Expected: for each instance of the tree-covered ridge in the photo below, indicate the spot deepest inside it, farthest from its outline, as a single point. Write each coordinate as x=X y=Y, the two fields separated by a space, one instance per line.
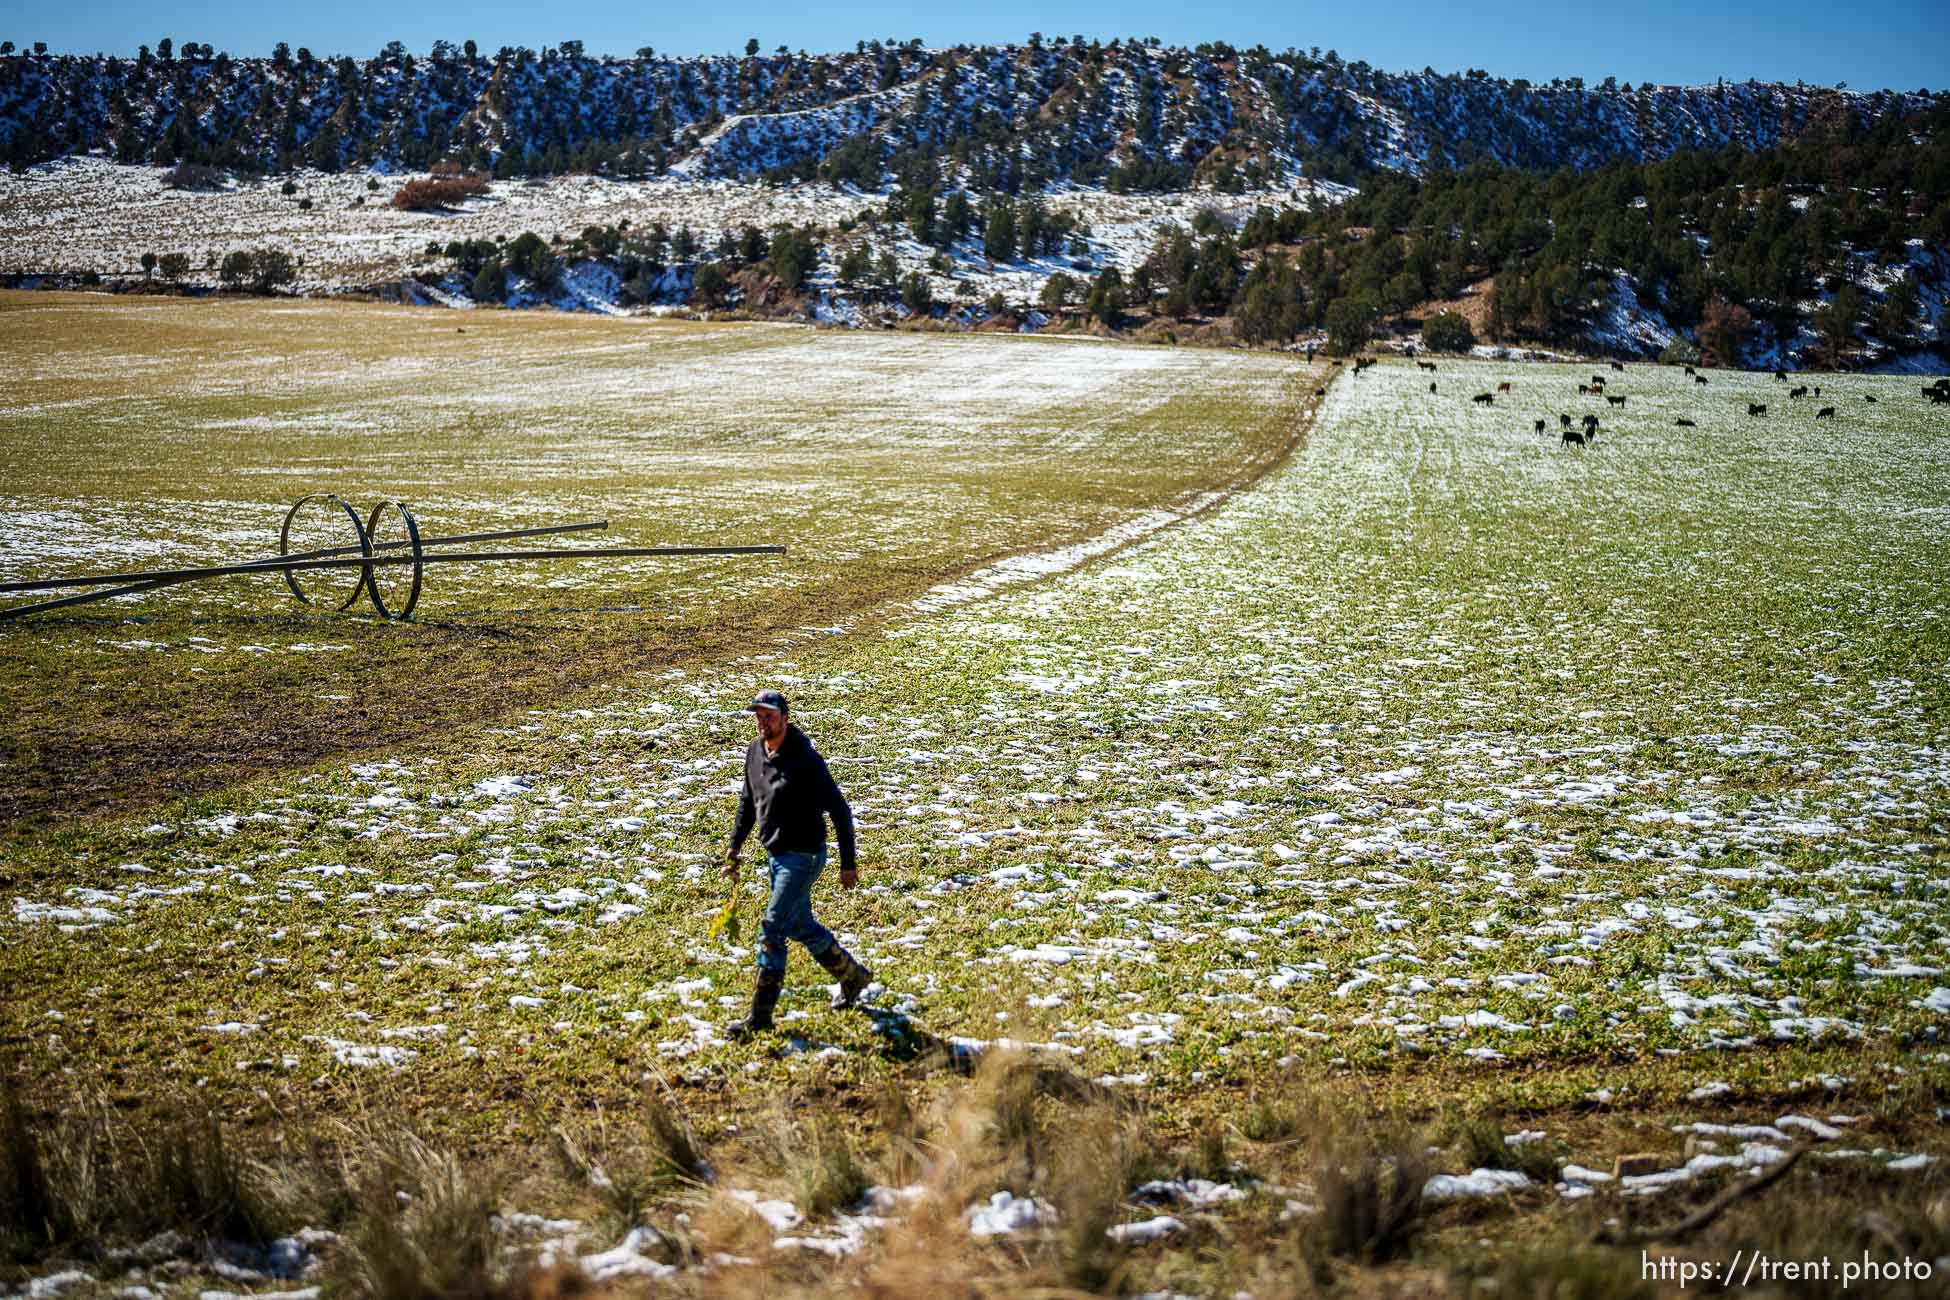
x=1703 y=237
x=1828 y=250
x=1715 y=242
x=1121 y=113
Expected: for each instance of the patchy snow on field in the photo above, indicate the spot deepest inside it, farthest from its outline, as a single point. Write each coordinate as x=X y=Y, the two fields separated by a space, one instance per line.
x=1445 y=740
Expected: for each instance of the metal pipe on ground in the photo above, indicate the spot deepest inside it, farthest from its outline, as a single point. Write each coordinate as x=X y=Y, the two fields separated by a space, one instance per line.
x=274 y=562
x=171 y=577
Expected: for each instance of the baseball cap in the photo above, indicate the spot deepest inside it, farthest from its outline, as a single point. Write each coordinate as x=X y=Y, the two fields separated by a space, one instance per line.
x=768 y=700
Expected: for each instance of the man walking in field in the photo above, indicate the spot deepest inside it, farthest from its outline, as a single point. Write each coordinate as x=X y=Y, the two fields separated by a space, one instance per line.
x=788 y=794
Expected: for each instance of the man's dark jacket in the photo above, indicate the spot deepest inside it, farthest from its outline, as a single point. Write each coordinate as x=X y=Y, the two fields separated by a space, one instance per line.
x=787 y=795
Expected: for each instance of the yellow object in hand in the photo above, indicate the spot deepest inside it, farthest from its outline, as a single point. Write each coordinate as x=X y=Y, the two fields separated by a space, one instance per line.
x=726 y=921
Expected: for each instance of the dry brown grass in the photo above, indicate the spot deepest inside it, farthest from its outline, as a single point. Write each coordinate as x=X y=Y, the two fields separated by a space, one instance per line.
x=86 y=1173
x=632 y=1161
x=1472 y=304
x=817 y=1163
x=1368 y=1186
x=415 y=1216
x=422 y=195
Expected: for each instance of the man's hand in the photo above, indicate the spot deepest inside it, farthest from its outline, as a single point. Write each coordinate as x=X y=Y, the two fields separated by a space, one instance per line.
x=731 y=866
x=849 y=877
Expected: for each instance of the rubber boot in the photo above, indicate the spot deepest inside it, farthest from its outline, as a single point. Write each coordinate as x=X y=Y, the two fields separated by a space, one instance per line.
x=846 y=968
x=764 y=997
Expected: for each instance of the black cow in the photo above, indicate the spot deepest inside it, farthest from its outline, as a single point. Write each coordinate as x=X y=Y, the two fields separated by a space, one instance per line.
x=1780 y=376
x=1825 y=413
x=1684 y=423
x=1868 y=397
x=1432 y=385
x=1817 y=390
x=1539 y=428
x=1425 y=365
x=1757 y=408
x=1571 y=436
x=1690 y=370
x=1564 y=420
x=1699 y=379
x=1484 y=399
x=1618 y=366
x=1802 y=391
x=1590 y=422
x=1615 y=401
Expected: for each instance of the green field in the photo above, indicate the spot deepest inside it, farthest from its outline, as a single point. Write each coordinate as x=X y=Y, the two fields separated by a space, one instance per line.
x=1446 y=772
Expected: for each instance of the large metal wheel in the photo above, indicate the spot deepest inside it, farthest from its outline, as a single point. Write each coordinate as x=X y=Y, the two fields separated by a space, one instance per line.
x=313 y=528
x=385 y=591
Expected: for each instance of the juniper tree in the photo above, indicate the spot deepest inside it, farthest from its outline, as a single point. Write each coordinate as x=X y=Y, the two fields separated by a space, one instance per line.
x=1057 y=291
x=270 y=268
x=1350 y=324
x=999 y=229
x=709 y=285
x=916 y=293
x=1448 y=331
x=490 y=282
x=857 y=264
x=1106 y=296
x=956 y=216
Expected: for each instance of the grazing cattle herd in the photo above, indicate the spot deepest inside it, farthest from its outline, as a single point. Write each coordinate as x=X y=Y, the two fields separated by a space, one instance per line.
x=1586 y=434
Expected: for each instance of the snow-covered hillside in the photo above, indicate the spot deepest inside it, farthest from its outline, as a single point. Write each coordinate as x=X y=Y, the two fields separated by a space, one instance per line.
x=76 y=220
x=90 y=215
x=1134 y=114
x=900 y=155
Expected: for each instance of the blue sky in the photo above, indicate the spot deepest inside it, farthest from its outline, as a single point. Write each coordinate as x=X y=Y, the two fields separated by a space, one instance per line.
x=1904 y=45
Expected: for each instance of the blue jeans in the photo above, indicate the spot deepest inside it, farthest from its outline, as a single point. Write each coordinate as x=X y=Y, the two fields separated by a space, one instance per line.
x=789 y=913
